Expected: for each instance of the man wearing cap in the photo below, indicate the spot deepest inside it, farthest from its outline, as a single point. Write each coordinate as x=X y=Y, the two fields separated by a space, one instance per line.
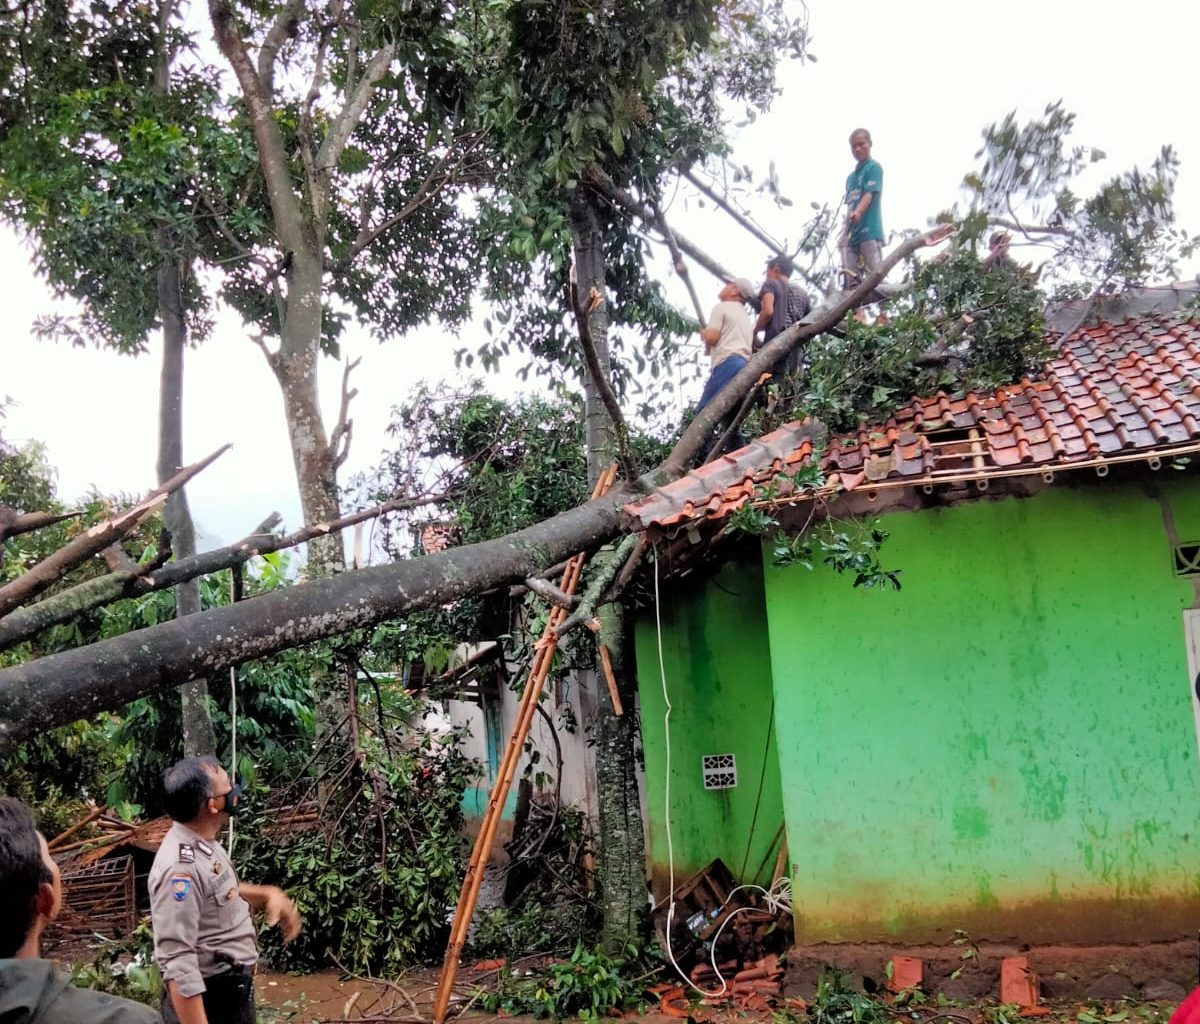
x=203 y=934
x=727 y=339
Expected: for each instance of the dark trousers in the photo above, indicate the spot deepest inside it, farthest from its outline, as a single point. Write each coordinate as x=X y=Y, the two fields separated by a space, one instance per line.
x=228 y=999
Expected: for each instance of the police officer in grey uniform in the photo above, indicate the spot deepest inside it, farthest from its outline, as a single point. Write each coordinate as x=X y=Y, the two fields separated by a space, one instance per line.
x=204 y=937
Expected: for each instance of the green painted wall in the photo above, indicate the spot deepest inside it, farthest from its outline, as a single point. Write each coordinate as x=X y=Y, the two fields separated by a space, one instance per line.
x=1007 y=744
x=718 y=678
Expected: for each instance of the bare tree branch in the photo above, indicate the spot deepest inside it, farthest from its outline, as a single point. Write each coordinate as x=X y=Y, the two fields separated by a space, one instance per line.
x=13 y=522
x=549 y=592
x=272 y=358
x=603 y=387
x=603 y=184
x=1028 y=230
x=680 y=267
x=131 y=580
x=347 y=119
x=339 y=437
x=282 y=29
x=739 y=218
x=77 y=551
x=308 y=146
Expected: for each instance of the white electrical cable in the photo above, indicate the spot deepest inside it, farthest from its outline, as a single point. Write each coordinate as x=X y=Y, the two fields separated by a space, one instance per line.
x=233 y=723
x=777 y=898
x=232 y=743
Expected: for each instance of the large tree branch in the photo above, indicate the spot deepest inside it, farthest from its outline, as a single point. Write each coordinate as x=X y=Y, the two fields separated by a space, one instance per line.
x=289 y=219
x=603 y=387
x=618 y=196
x=13 y=522
x=347 y=119
x=54 y=567
x=282 y=29
x=79 y=683
x=130 y=580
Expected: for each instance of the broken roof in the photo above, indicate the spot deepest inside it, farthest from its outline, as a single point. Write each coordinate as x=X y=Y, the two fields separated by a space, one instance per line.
x=1115 y=392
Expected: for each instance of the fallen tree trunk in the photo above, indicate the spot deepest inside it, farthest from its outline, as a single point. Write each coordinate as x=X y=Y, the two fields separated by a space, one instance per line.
x=80 y=683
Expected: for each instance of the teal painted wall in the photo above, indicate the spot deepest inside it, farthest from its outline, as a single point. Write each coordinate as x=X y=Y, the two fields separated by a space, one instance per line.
x=719 y=682
x=1007 y=744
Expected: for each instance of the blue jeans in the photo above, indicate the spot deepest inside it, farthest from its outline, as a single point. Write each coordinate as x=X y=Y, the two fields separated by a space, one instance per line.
x=721 y=375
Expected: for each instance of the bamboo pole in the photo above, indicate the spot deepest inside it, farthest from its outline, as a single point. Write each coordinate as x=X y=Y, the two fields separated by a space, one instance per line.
x=613 y=693
x=481 y=852
x=58 y=840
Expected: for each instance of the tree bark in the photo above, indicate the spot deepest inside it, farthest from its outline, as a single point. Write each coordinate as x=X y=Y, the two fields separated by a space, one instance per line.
x=587 y=244
x=177 y=517
x=620 y=865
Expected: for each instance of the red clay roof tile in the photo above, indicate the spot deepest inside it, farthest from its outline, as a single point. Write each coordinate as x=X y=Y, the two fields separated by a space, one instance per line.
x=1112 y=390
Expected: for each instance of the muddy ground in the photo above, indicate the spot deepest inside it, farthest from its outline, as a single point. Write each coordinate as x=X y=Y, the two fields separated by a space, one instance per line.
x=1096 y=985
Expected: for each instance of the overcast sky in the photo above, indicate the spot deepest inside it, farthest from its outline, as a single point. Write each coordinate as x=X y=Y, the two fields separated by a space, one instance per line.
x=923 y=76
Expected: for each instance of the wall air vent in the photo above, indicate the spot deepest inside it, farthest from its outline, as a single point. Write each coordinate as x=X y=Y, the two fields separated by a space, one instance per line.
x=1187 y=559
x=720 y=771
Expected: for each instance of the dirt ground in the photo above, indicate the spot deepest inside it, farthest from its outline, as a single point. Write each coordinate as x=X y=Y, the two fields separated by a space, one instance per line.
x=328 y=996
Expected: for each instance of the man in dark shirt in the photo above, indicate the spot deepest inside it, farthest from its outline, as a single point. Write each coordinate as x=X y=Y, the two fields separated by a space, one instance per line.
x=781 y=304
x=33 y=990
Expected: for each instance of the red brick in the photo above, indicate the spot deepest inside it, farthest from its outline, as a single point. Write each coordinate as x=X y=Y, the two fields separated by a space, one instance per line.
x=907 y=972
x=1018 y=984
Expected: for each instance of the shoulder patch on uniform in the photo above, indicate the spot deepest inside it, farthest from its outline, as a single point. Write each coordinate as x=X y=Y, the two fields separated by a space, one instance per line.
x=204 y=848
x=181 y=885
x=186 y=854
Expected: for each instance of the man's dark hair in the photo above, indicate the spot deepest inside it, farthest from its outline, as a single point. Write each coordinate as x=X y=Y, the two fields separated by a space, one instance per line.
x=783 y=264
x=21 y=871
x=186 y=785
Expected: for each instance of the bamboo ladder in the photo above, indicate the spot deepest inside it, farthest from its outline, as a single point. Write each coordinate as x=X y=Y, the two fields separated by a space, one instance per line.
x=481 y=852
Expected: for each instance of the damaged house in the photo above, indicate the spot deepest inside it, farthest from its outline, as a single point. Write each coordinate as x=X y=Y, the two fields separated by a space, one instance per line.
x=1008 y=744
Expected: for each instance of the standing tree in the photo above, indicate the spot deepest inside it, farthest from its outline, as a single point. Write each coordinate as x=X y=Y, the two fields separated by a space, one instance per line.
x=100 y=149
x=618 y=95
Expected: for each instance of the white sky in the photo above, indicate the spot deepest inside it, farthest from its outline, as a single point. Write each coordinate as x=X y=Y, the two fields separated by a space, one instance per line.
x=924 y=76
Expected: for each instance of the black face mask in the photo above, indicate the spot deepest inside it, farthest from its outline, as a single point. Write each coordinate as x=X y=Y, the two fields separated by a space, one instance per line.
x=233 y=794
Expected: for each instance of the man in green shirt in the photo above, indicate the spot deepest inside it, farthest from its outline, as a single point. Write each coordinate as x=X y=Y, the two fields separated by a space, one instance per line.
x=862 y=246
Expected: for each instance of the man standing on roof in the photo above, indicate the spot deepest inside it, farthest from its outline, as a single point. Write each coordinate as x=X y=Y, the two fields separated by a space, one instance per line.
x=33 y=990
x=862 y=250
x=203 y=934
x=781 y=304
x=727 y=340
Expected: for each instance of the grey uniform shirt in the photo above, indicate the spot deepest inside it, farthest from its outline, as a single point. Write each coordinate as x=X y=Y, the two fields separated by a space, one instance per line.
x=202 y=926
